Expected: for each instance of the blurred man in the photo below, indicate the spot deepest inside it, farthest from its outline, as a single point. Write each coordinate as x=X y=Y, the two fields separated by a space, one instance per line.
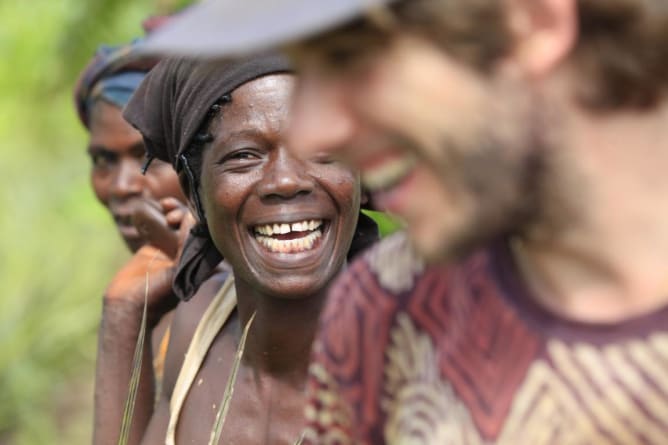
x=524 y=143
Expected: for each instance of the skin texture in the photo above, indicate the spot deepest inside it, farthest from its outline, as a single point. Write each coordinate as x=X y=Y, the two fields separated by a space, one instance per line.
x=153 y=220
x=117 y=154
x=123 y=305
x=249 y=177
x=511 y=151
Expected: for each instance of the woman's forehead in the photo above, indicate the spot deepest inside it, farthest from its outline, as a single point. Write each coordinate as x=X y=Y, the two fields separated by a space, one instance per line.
x=261 y=103
x=264 y=89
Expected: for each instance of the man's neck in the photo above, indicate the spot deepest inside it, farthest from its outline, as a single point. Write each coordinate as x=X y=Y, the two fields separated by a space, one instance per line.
x=609 y=261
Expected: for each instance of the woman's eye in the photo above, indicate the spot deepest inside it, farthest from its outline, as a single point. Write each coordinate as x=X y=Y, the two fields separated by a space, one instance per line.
x=243 y=155
x=101 y=160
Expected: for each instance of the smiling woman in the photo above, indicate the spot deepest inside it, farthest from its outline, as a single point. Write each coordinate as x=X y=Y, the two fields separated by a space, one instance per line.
x=284 y=224
x=252 y=184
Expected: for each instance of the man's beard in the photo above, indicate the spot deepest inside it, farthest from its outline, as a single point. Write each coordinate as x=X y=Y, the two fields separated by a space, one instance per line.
x=508 y=188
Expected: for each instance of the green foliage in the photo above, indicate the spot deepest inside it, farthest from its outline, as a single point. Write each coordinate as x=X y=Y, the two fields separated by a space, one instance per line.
x=58 y=247
x=386 y=223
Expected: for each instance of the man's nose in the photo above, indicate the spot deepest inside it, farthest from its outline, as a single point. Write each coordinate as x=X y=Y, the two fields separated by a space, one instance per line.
x=285 y=176
x=128 y=180
x=320 y=121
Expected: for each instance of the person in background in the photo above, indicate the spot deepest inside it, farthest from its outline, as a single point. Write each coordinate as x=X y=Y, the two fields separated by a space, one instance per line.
x=525 y=145
x=148 y=211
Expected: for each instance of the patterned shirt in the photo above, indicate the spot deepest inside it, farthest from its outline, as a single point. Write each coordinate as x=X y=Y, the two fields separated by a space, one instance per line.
x=409 y=354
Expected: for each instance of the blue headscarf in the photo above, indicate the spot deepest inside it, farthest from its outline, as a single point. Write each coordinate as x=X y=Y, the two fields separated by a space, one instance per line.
x=115 y=89
x=112 y=75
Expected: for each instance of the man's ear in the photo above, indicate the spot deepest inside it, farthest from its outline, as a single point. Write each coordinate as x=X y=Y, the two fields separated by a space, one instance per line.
x=544 y=33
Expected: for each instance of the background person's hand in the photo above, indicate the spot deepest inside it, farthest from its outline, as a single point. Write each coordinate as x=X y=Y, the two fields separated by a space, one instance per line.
x=129 y=283
x=164 y=224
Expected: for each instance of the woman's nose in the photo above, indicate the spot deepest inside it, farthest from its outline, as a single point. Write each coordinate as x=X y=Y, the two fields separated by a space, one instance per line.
x=285 y=176
x=128 y=181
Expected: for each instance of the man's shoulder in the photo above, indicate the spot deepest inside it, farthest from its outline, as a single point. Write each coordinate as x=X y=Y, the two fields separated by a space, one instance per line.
x=391 y=279
x=388 y=296
x=391 y=269
x=390 y=265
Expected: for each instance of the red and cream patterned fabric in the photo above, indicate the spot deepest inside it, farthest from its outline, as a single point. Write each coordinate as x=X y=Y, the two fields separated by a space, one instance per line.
x=409 y=354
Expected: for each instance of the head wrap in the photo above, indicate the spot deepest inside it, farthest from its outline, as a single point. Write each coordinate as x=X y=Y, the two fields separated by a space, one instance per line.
x=169 y=108
x=114 y=73
x=111 y=76
x=171 y=104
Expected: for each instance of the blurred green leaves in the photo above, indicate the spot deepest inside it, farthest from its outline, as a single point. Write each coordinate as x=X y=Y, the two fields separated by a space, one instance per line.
x=58 y=247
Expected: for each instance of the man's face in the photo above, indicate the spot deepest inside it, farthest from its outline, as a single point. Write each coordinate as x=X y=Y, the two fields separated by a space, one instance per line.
x=444 y=147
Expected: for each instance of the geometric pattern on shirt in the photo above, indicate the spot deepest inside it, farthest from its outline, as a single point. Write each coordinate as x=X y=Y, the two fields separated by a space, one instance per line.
x=483 y=349
x=581 y=394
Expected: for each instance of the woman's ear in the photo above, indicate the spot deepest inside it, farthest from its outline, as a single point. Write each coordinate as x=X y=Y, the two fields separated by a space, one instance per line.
x=366 y=202
x=190 y=194
x=544 y=33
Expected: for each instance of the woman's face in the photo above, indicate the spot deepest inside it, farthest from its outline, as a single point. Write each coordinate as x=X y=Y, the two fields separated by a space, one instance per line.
x=117 y=153
x=284 y=224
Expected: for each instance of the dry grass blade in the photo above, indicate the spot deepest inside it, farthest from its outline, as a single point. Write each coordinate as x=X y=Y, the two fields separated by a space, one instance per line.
x=300 y=440
x=229 y=388
x=129 y=409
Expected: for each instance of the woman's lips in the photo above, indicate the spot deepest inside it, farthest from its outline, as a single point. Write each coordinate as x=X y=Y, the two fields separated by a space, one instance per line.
x=289 y=237
x=128 y=231
x=125 y=226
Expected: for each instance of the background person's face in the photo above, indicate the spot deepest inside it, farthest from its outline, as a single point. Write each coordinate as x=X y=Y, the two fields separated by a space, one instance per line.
x=438 y=144
x=117 y=154
x=284 y=224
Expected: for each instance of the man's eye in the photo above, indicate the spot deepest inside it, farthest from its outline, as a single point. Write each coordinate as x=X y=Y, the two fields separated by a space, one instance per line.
x=324 y=158
x=342 y=57
x=346 y=56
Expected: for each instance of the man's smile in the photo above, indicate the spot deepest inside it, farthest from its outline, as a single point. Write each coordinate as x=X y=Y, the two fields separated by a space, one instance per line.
x=387 y=173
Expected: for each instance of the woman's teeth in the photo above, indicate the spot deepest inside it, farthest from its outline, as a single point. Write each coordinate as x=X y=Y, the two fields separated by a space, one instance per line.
x=283 y=229
x=309 y=233
x=388 y=174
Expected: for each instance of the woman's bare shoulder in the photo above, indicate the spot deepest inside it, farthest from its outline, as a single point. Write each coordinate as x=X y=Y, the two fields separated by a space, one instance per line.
x=187 y=316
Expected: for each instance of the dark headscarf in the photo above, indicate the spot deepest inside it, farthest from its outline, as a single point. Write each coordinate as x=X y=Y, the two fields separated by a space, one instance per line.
x=169 y=109
x=171 y=104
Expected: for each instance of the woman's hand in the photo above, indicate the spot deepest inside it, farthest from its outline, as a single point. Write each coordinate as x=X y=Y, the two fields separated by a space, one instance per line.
x=164 y=225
